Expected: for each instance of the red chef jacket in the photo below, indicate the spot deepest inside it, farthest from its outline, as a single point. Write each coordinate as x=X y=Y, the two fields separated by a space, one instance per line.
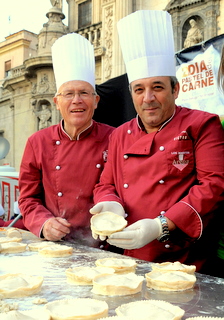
x=57 y=176
x=178 y=171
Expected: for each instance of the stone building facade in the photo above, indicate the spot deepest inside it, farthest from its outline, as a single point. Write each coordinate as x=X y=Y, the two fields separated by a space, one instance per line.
x=27 y=84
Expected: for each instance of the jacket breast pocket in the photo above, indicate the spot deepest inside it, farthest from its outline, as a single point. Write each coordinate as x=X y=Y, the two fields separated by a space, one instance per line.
x=180 y=157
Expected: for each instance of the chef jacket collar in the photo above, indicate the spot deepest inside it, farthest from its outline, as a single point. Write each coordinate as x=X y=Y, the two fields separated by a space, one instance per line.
x=141 y=125
x=81 y=135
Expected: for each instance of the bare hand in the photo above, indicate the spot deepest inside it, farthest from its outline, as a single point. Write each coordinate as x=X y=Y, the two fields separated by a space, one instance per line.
x=56 y=228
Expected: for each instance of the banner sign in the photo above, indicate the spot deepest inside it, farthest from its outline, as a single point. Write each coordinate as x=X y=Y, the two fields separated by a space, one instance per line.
x=198 y=81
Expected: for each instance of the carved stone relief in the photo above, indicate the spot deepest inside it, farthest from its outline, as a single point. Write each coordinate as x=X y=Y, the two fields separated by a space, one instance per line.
x=109 y=25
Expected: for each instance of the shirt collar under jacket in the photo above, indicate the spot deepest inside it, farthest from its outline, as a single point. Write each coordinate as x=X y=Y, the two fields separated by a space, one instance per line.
x=81 y=135
x=141 y=125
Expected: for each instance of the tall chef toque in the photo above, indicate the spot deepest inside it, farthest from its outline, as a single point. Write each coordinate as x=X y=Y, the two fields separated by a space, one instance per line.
x=73 y=59
x=146 y=40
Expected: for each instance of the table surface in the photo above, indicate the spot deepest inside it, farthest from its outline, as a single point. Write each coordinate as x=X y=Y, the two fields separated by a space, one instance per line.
x=205 y=299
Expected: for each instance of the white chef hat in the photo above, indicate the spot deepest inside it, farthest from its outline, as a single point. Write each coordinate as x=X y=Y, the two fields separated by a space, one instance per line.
x=146 y=40
x=73 y=59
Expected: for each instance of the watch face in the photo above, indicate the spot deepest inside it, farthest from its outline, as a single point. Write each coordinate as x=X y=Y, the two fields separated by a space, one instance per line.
x=164 y=237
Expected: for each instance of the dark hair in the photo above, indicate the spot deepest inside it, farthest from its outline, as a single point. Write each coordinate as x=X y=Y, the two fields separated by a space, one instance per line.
x=173 y=82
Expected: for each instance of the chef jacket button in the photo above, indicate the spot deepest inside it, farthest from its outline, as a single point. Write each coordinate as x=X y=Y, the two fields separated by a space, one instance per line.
x=58 y=167
x=58 y=142
x=162 y=212
x=167 y=246
x=98 y=165
x=162 y=148
x=129 y=131
x=161 y=181
x=125 y=156
x=125 y=185
x=60 y=194
x=101 y=246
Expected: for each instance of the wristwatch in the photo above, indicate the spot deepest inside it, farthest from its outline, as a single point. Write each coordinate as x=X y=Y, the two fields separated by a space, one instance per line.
x=165 y=231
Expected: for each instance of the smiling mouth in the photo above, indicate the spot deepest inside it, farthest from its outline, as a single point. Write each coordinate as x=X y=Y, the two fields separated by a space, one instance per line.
x=77 y=110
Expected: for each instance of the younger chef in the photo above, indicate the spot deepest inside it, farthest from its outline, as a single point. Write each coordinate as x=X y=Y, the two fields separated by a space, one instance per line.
x=165 y=168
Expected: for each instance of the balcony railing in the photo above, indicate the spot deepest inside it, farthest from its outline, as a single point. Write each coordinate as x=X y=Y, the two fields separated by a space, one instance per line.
x=92 y=33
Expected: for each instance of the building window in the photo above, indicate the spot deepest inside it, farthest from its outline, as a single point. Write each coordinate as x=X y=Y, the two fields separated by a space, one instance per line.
x=85 y=14
x=7 y=67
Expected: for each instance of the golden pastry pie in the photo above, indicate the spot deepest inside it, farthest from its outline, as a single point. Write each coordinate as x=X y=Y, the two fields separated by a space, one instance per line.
x=56 y=251
x=13 y=233
x=117 y=284
x=106 y=223
x=170 y=280
x=81 y=309
x=35 y=246
x=150 y=309
x=205 y=318
x=9 y=239
x=34 y=314
x=118 y=318
x=19 y=285
x=174 y=266
x=119 y=265
x=13 y=247
x=85 y=275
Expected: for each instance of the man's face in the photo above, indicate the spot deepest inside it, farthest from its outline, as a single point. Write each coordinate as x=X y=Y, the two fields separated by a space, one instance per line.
x=154 y=100
x=76 y=110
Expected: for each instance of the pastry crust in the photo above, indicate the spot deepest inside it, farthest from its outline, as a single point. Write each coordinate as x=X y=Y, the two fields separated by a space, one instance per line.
x=118 y=318
x=35 y=246
x=9 y=239
x=170 y=280
x=106 y=223
x=56 y=251
x=119 y=265
x=19 y=285
x=13 y=247
x=205 y=318
x=34 y=314
x=154 y=309
x=81 y=309
x=85 y=275
x=13 y=232
x=117 y=284
x=174 y=266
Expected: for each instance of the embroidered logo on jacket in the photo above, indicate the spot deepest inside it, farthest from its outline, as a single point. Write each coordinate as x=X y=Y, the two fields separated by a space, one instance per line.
x=180 y=163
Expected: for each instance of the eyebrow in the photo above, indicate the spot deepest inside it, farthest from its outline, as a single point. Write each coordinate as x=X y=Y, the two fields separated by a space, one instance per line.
x=154 y=82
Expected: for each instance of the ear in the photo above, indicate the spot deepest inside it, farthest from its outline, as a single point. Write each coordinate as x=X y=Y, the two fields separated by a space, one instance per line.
x=55 y=99
x=97 y=99
x=176 y=90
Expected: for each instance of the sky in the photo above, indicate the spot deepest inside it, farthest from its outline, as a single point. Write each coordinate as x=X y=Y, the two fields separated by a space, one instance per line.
x=16 y=15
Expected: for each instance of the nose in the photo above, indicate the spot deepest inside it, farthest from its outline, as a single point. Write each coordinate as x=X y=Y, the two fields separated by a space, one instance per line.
x=149 y=96
x=76 y=97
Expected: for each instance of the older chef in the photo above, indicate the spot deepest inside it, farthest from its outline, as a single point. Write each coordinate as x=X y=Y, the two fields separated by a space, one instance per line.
x=62 y=163
x=165 y=168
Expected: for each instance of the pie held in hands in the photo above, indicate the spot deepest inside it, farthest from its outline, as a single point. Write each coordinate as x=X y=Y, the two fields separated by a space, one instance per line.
x=81 y=309
x=170 y=280
x=19 y=285
x=85 y=275
x=174 y=266
x=119 y=265
x=117 y=284
x=150 y=309
x=106 y=223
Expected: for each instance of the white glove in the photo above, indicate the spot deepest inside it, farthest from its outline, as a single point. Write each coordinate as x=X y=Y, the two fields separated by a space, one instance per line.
x=137 y=235
x=112 y=206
